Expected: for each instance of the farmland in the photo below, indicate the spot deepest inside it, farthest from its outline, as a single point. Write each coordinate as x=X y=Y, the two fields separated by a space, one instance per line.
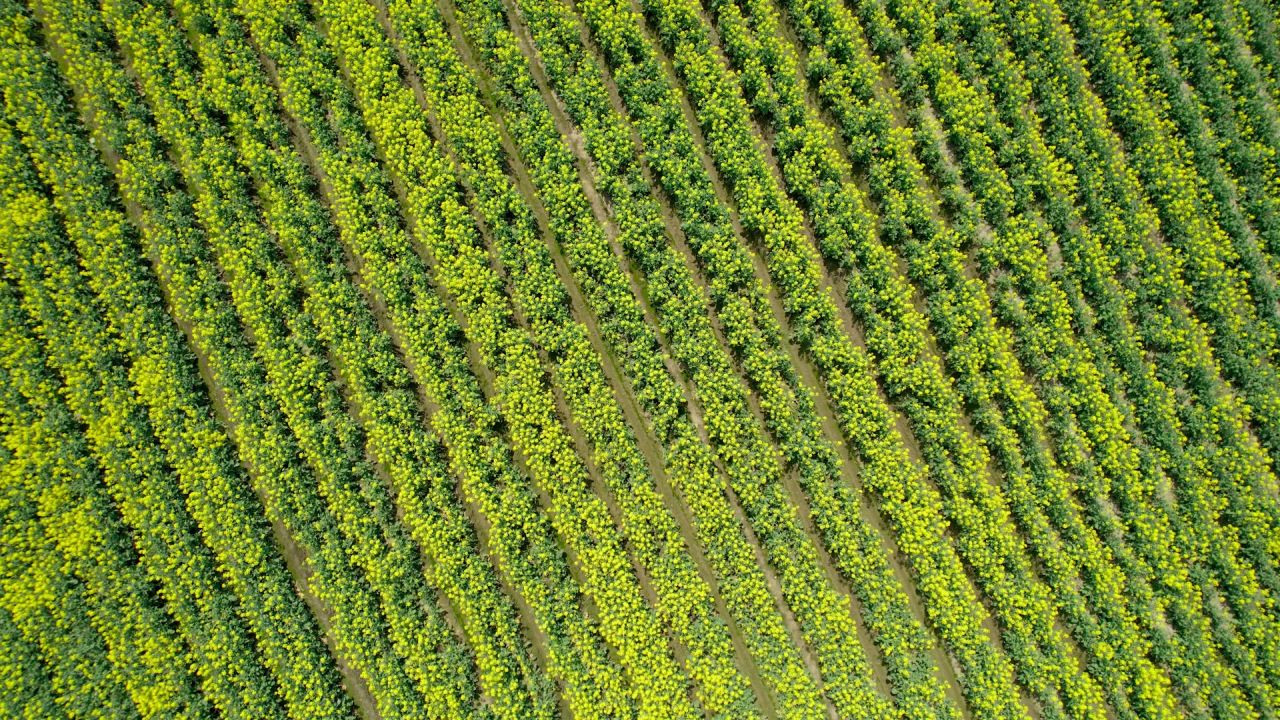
x=533 y=359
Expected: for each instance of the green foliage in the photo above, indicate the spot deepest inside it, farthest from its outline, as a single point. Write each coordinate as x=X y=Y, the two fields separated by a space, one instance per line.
x=204 y=529
x=473 y=358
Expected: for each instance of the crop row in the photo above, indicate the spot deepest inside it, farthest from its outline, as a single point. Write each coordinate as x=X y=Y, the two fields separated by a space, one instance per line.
x=449 y=236
x=1122 y=261
x=41 y=223
x=1202 y=494
x=380 y=389
x=28 y=686
x=1088 y=434
x=1102 y=425
x=932 y=57
x=682 y=314
x=62 y=487
x=53 y=616
x=473 y=354
x=897 y=340
x=764 y=359
x=58 y=616
x=1069 y=382
x=366 y=358
x=874 y=288
x=241 y=674
x=385 y=555
x=935 y=433
x=549 y=26
x=1232 y=129
x=450 y=94
x=722 y=117
x=1235 y=471
x=832 y=629
x=430 y=338
x=539 y=295
x=1199 y=527
x=1160 y=159
x=1231 y=84
x=1257 y=23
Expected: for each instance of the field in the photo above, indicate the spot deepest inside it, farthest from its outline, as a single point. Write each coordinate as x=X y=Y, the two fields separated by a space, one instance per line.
x=533 y=359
